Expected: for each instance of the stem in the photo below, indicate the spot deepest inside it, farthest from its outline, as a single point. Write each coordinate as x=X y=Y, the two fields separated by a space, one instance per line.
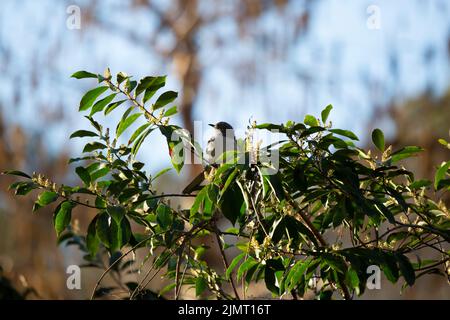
x=319 y=238
x=116 y=262
x=225 y=263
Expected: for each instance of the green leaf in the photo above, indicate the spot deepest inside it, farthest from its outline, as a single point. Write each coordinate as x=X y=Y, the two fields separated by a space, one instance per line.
x=89 y=98
x=440 y=174
x=197 y=203
x=25 y=187
x=144 y=83
x=297 y=271
x=44 y=199
x=171 y=111
x=200 y=285
x=405 y=152
x=231 y=203
x=246 y=265
x=157 y=83
x=99 y=173
x=112 y=234
x=352 y=278
x=84 y=175
x=62 y=216
x=164 y=99
x=47 y=197
x=83 y=74
x=121 y=77
x=102 y=228
x=83 y=133
x=101 y=104
x=233 y=265
x=229 y=180
x=389 y=266
x=164 y=216
x=311 y=121
x=160 y=173
x=137 y=144
x=130 y=85
x=138 y=132
x=116 y=212
x=92 y=241
x=176 y=148
x=345 y=133
x=113 y=105
x=16 y=173
x=269 y=126
x=325 y=113
x=91 y=146
x=406 y=269
x=378 y=139
x=94 y=123
x=420 y=184
x=125 y=123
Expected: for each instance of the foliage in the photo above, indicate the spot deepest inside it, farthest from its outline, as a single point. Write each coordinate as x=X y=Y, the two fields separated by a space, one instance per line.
x=315 y=224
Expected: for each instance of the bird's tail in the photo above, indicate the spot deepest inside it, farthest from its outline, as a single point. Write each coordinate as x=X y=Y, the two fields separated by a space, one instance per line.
x=195 y=183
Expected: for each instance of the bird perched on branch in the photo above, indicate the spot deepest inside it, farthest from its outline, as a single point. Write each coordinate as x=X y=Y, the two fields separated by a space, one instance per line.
x=221 y=141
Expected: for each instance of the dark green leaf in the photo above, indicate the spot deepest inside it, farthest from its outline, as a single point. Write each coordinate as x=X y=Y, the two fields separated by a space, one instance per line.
x=83 y=133
x=130 y=85
x=233 y=264
x=99 y=173
x=116 y=212
x=164 y=99
x=406 y=269
x=144 y=83
x=157 y=83
x=345 y=133
x=247 y=264
x=102 y=228
x=137 y=144
x=378 y=139
x=16 y=173
x=113 y=105
x=125 y=123
x=164 y=216
x=138 y=132
x=91 y=146
x=83 y=74
x=121 y=77
x=89 y=98
x=84 y=175
x=101 y=104
x=25 y=187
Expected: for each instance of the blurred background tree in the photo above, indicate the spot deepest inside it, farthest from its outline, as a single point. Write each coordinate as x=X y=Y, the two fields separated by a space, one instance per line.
x=267 y=59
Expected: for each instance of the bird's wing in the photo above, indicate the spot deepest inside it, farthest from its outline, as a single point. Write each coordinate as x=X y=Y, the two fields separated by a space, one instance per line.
x=210 y=150
x=195 y=183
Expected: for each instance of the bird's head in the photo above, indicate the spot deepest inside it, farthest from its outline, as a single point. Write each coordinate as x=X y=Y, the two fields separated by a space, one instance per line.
x=223 y=127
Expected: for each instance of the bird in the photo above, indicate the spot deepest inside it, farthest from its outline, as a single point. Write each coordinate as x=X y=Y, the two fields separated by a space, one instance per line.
x=222 y=140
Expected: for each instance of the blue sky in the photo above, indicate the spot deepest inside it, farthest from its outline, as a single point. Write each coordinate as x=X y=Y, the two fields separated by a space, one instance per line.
x=337 y=57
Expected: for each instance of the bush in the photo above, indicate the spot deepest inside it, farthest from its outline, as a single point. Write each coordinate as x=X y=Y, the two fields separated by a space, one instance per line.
x=315 y=224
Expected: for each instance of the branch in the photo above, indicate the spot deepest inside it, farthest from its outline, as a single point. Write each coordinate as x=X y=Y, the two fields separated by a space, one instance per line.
x=225 y=262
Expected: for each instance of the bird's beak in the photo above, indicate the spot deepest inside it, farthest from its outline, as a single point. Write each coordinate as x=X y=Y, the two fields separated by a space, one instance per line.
x=211 y=125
